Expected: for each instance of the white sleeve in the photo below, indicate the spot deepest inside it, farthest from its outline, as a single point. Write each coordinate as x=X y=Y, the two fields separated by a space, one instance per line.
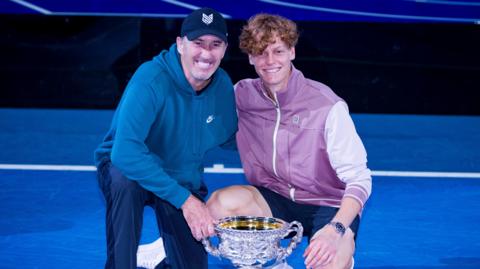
x=347 y=154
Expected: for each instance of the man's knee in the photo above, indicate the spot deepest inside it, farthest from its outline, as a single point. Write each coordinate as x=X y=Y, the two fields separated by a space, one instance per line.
x=123 y=186
x=229 y=201
x=120 y=185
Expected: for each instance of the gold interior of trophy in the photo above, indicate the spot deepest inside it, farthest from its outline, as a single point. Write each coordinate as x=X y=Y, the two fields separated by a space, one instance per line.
x=250 y=224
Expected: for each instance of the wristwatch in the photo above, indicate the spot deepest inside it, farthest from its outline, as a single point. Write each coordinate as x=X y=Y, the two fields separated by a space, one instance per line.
x=339 y=227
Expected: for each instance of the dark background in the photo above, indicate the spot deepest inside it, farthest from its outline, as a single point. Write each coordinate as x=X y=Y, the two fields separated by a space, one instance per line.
x=377 y=67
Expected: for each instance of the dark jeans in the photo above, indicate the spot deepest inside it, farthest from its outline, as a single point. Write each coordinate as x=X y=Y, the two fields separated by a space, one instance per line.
x=125 y=200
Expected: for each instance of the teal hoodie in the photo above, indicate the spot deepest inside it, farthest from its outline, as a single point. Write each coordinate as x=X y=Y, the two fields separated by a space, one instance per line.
x=162 y=129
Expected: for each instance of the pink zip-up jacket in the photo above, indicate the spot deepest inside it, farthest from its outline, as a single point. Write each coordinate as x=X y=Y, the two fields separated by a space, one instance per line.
x=282 y=143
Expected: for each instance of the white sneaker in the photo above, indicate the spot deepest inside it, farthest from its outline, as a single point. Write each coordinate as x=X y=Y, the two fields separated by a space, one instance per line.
x=150 y=255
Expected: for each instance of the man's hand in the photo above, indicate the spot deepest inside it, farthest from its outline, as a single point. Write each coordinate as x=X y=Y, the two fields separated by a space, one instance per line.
x=198 y=218
x=322 y=248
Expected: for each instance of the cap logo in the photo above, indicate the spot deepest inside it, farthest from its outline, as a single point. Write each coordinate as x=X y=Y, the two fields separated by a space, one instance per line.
x=207 y=19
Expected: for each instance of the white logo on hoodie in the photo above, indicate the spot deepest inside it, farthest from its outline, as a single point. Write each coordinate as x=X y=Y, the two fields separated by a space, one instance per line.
x=210 y=118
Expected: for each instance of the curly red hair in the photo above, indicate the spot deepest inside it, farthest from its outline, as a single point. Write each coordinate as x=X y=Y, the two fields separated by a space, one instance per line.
x=262 y=29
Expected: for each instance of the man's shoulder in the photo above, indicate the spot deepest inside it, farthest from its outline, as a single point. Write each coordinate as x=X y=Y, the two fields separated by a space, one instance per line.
x=150 y=67
x=317 y=88
x=317 y=85
x=246 y=84
x=149 y=72
x=223 y=77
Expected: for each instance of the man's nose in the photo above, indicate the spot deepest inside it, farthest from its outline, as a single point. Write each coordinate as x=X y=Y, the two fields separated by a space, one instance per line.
x=269 y=58
x=206 y=51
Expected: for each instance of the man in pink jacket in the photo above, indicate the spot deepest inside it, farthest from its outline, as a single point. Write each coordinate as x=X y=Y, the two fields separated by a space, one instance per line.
x=299 y=149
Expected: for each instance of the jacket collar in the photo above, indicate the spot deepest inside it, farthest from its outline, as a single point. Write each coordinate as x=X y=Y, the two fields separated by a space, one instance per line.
x=294 y=85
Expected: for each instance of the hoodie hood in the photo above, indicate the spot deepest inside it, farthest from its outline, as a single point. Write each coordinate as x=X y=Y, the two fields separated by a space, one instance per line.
x=170 y=61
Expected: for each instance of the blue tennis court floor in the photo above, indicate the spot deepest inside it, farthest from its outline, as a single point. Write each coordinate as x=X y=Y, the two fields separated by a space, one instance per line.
x=423 y=212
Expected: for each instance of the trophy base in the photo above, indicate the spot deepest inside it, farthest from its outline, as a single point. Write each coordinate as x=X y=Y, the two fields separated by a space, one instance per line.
x=277 y=265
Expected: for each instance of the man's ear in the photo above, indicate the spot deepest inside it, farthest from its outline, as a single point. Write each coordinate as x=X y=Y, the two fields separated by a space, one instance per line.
x=250 y=59
x=292 y=54
x=180 y=45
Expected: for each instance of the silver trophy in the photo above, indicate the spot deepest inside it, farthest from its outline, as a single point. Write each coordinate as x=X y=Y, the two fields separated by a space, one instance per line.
x=250 y=242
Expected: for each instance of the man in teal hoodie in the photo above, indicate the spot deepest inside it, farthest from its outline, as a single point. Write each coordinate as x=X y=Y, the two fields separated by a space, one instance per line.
x=175 y=108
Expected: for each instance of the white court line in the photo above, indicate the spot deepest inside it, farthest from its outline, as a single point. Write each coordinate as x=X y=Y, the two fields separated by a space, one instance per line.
x=45 y=167
x=119 y=14
x=369 y=14
x=32 y=6
x=425 y=174
x=190 y=6
x=181 y=4
x=113 y=14
x=220 y=169
x=443 y=2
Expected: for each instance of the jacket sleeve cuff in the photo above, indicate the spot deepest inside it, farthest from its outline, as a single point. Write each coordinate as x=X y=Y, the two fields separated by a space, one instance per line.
x=358 y=193
x=180 y=195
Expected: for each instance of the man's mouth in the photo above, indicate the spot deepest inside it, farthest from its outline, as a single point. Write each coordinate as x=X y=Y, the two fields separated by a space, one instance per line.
x=272 y=70
x=203 y=64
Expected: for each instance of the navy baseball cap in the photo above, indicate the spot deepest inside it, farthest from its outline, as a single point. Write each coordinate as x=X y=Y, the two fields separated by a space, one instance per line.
x=204 y=21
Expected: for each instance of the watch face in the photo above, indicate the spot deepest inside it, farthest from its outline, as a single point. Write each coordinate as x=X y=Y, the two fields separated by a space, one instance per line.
x=339 y=227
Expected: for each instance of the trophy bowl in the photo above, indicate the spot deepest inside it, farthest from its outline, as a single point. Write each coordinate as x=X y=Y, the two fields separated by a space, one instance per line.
x=250 y=242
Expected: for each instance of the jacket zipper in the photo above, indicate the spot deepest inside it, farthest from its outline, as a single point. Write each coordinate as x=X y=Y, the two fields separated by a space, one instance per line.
x=275 y=133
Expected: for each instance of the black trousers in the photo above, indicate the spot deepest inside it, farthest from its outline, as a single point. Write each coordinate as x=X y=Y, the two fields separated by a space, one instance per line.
x=125 y=201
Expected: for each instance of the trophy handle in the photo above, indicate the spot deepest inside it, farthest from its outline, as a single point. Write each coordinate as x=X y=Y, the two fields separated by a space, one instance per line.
x=210 y=248
x=296 y=227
